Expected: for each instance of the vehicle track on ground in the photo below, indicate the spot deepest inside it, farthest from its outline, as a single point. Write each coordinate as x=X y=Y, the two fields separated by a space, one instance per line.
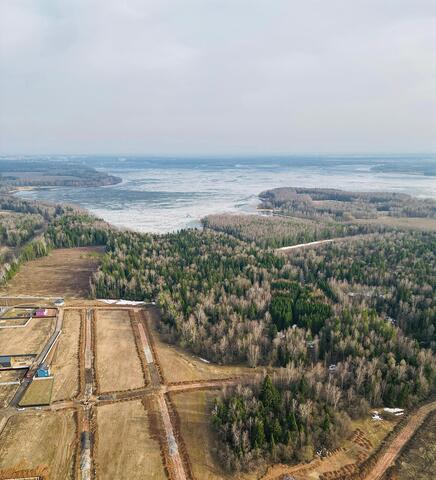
x=399 y=441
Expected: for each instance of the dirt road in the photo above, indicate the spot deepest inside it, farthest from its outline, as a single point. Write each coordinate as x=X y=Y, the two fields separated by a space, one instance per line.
x=400 y=440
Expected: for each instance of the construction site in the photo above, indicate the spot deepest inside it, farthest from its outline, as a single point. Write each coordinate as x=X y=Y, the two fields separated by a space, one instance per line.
x=89 y=390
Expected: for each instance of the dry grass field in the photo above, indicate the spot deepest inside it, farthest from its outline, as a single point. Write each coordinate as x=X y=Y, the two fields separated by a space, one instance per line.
x=39 y=392
x=65 y=360
x=180 y=366
x=125 y=448
x=6 y=394
x=118 y=363
x=29 y=339
x=38 y=439
x=7 y=391
x=64 y=272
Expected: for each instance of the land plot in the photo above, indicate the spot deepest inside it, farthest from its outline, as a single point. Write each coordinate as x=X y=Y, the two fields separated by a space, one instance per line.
x=37 y=441
x=123 y=428
x=180 y=366
x=194 y=409
x=65 y=361
x=118 y=363
x=39 y=392
x=64 y=272
x=29 y=339
x=9 y=385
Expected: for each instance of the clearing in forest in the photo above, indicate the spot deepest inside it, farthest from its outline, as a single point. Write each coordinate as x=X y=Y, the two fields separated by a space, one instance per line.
x=118 y=363
x=65 y=361
x=123 y=428
x=39 y=440
x=64 y=272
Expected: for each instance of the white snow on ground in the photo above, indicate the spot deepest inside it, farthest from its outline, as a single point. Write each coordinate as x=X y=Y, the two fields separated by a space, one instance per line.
x=394 y=410
x=120 y=302
x=204 y=360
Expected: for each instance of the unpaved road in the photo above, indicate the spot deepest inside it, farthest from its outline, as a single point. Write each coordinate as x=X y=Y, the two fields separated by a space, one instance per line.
x=394 y=449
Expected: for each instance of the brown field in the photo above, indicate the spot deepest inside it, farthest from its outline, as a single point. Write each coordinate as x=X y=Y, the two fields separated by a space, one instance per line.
x=65 y=361
x=39 y=392
x=123 y=428
x=180 y=366
x=38 y=439
x=6 y=394
x=194 y=413
x=29 y=339
x=118 y=363
x=64 y=272
x=7 y=391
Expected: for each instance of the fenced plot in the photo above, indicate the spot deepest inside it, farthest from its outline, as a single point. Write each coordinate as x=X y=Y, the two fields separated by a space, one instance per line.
x=117 y=360
x=39 y=440
x=65 y=362
x=29 y=339
x=123 y=428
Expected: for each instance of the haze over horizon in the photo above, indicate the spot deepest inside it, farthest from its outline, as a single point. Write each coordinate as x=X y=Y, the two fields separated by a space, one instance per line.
x=209 y=77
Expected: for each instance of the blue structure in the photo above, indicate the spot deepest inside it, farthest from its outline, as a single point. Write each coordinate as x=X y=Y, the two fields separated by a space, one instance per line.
x=43 y=371
x=5 y=361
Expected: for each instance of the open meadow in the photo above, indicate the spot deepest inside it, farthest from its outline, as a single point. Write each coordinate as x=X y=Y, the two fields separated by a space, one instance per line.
x=124 y=428
x=39 y=442
x=29 y=339
x=117 y=360
x=64 y=272
x=65 y=360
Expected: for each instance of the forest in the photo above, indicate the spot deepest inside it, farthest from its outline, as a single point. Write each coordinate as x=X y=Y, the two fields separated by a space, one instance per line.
x=282 y=231
x=339 y=329
x=329 y=203
x=42 y=173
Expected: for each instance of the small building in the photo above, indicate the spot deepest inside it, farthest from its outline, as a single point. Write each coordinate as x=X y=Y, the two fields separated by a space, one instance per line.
x=41 y=312
x=5 y=361
x=43 y=371
x=59 y=302
x=332 y=367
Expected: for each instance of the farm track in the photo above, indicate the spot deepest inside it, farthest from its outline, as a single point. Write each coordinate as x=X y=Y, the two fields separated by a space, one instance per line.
x=399 y=441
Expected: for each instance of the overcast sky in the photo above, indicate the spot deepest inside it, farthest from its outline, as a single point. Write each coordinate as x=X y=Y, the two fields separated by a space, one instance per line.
x=217 y=76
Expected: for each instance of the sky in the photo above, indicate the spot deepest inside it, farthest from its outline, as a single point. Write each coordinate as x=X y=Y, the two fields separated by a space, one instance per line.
x=217 y=76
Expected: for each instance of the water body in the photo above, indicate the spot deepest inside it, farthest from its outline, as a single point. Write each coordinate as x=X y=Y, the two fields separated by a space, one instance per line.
x=167 y=194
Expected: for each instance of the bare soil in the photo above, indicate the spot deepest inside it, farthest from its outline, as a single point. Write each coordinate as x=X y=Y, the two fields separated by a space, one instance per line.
x=118 y=363
x=39 y=439
x=64 y=272
x=29 y=339
x=65 y=361
x=126 y=449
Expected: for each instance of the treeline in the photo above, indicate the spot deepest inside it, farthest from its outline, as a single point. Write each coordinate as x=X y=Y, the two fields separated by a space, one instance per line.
x=393 y=273
x=39 y=173
x=329 y=203
x=16 y=228
x=77 y=228
x=276 y=232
